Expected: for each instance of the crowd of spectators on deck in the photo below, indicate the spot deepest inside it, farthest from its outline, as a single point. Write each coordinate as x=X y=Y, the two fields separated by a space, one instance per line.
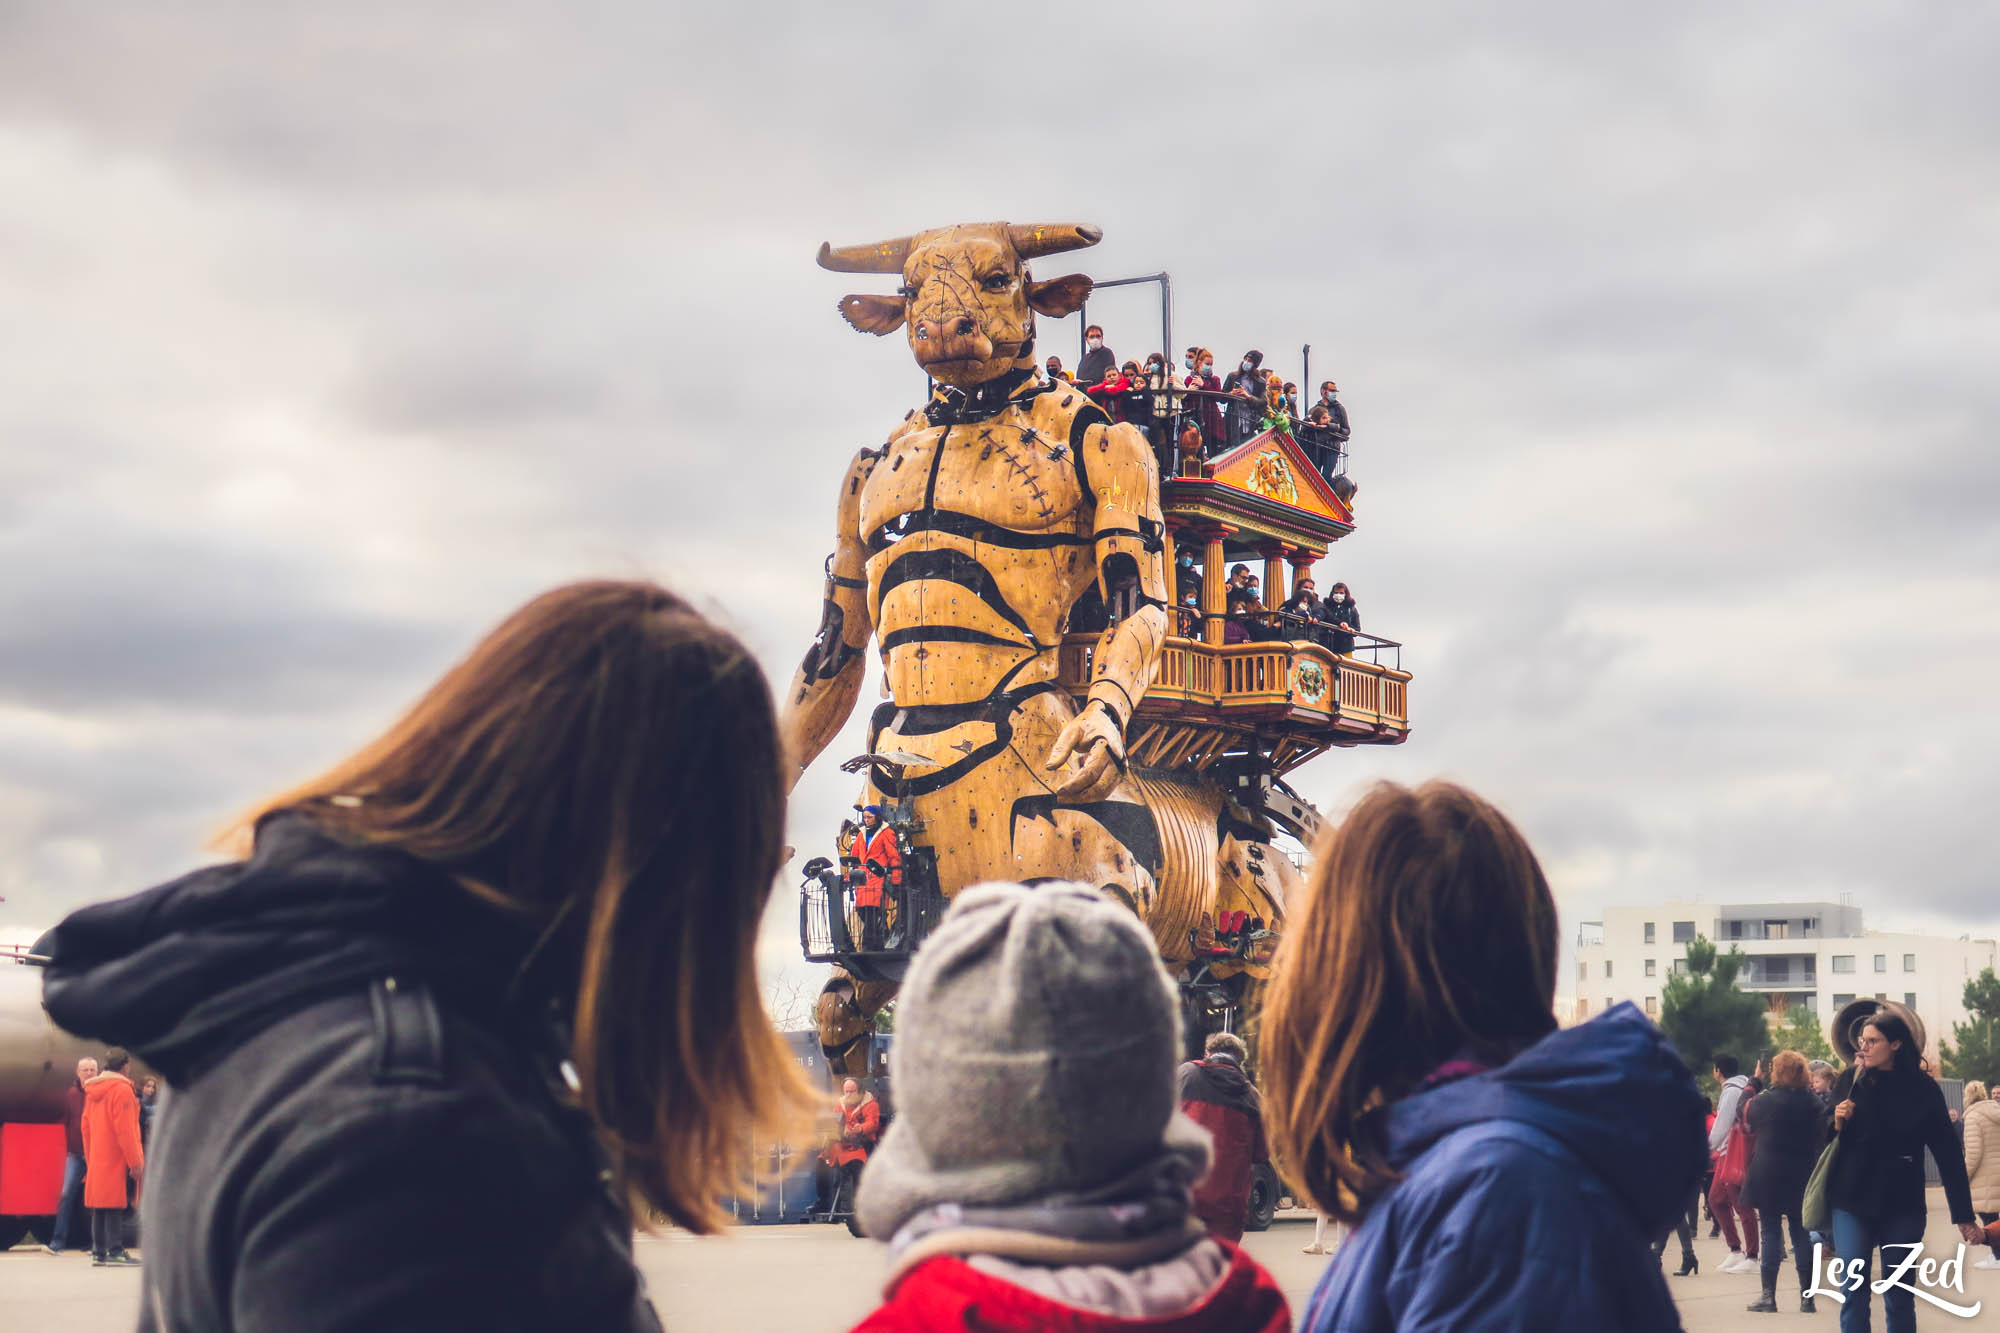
x=1193 y=407
x=1332 y=621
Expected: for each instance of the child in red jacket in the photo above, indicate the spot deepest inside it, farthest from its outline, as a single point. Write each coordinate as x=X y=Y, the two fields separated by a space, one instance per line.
x=1038 y=1175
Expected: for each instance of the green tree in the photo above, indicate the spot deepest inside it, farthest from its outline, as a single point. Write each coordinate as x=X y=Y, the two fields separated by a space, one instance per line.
x=1974 y=1048
x=1704 y=1014
x=1801 y=1032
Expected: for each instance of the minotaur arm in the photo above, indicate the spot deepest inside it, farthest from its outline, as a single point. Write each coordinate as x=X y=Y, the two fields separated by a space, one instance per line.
x=1117 y=465
x=828 y=681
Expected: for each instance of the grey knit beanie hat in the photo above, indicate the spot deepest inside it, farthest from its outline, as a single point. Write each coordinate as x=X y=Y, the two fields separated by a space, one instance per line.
x=1037 y=1038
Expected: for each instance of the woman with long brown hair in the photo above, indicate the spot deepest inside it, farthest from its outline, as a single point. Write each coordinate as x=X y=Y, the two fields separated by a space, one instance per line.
x=468 y=996
x=1501 y=1172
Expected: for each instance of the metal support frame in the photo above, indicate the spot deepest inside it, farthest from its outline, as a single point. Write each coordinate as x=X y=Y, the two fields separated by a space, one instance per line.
x=1166 y=315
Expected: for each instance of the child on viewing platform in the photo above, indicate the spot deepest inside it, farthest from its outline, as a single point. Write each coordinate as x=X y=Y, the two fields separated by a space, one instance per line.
x=1038 y=1175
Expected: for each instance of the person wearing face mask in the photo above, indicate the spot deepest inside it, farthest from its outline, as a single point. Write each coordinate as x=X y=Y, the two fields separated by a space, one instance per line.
x=1097 y=358
x=1336 y=415
x=1187 y=578
x=1057 y=375
x=1247 y=383
x=1200 y=364
x=1302 y=610
x=1188 y=615
x=1341 y=617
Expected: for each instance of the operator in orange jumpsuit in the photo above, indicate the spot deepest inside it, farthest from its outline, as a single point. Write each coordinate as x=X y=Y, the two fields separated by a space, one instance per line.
x=882 y=861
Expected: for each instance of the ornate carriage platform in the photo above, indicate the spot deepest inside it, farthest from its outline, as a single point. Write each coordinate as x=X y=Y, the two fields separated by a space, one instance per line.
x=1056 y=706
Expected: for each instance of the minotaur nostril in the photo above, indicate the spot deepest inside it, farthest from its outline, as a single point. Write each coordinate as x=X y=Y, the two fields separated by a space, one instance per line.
x=966 y=328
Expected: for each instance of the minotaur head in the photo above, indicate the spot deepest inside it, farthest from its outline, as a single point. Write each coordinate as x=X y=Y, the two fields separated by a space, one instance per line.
x=967 y=300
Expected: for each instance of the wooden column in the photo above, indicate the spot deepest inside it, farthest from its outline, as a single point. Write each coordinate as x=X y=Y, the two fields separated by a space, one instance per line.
x=1302 y=568
x=1212 y=579
x=1274 y=577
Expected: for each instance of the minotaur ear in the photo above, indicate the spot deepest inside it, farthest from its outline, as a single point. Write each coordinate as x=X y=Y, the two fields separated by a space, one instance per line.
x=1059 y=296
x=874 y=314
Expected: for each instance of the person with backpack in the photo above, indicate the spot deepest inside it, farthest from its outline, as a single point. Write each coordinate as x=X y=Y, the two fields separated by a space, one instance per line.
x=1729 y=1149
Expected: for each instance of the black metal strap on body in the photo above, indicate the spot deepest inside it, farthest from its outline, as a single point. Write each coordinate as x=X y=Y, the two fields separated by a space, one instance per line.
x=409 y=1036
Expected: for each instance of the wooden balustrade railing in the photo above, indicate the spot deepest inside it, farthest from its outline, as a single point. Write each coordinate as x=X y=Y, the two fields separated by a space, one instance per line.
x=1260 y=675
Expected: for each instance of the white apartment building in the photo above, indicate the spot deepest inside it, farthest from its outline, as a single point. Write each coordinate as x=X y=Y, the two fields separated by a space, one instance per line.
x=1814 y=954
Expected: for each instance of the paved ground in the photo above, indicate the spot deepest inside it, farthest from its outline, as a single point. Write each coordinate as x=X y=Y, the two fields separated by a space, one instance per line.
x=808 y=1279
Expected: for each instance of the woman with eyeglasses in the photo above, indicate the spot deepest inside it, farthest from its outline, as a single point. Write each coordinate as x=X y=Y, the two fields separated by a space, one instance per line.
x=1894 y=1111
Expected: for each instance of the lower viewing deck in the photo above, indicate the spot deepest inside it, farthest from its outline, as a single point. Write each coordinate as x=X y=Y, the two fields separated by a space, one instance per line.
x=1294 y=699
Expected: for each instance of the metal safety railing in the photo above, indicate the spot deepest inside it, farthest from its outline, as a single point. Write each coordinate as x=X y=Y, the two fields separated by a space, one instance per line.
x=1224 y=420
x=831 y=928
x=1301 y=629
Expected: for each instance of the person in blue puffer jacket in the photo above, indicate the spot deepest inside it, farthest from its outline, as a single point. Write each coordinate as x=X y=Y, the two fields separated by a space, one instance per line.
x=1502 y=1172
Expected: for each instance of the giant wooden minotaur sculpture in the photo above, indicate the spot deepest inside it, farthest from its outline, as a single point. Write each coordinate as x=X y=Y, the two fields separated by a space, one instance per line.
x=1004 y=514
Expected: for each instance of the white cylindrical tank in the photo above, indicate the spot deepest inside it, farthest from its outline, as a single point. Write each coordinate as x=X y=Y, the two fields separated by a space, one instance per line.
x=37 y=1058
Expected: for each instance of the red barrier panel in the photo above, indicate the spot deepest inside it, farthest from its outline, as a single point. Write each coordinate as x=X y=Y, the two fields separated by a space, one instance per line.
x=31 y=1169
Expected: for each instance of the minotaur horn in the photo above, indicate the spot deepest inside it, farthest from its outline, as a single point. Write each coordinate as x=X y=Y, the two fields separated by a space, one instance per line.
x=885 y=257
x=1033 y=240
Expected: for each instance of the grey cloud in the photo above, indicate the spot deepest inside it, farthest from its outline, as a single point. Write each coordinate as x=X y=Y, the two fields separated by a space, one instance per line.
x=1666 y=335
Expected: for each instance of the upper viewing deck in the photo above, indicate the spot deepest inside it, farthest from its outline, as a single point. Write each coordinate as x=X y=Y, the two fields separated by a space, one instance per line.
x=1293 y=687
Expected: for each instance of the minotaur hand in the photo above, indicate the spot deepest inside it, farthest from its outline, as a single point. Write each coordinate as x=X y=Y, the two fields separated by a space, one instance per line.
x=1094 y=744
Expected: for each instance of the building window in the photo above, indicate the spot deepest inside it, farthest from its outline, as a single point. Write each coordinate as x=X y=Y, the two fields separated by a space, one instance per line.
x=1649 y=967
x=1735 y=930
x=1840 y=1002
x=1607 y=969
x=1582 y=1009
x=1683 y=931
x=1649 y=932
x=1843 y=962
x=1680 y=967
x=1608 y=1002
x=1910 y=1000
x=1652 y=1005
x=1909 y=962
x=1881 y=962
x=1582 y=970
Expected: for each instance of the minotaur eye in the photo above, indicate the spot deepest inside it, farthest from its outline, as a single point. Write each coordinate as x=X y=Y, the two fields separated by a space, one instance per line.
x=998 y=282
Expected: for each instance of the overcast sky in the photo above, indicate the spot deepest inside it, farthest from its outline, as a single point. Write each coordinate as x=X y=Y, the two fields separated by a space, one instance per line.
x=330 y=333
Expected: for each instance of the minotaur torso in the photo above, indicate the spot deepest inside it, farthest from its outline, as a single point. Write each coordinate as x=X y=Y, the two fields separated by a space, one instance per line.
x=979 y=540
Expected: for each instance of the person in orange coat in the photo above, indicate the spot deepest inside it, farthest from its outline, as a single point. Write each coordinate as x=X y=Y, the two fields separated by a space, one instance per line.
x=111 y=1150
x=840 y=1162
x=875 y=847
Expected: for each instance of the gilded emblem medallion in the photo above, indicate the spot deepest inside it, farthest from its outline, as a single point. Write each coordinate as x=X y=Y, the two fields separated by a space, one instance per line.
x=1271 y=475
x=1312 y=682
